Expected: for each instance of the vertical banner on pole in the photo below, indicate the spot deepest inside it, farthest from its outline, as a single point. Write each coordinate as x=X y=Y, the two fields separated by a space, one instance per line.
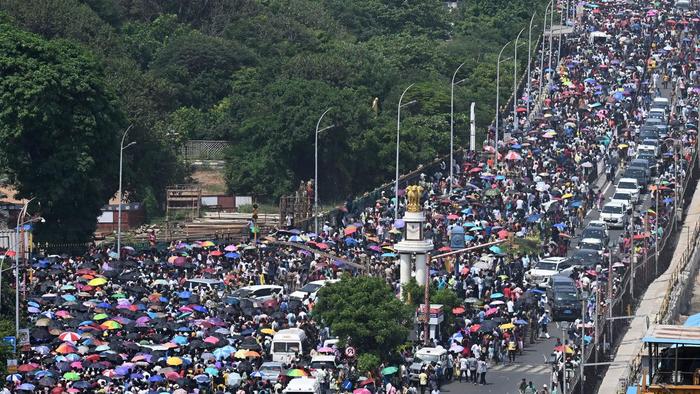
x=472 y=133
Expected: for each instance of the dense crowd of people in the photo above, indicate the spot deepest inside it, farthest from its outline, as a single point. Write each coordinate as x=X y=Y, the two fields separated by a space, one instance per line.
x=128 y=321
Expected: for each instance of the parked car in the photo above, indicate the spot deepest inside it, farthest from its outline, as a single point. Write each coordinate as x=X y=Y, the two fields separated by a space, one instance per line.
x=259 y=292
x=595 y=232
x=623 y=197
x=272 y=370
x=311 y=289
x=585 y=258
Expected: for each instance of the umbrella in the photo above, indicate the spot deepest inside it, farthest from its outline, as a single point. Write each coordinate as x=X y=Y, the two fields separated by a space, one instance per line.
x=174 y=361
x=97 y=282
x=71 y=376
x=564 y=349
x=295 y=373
x=456 y=348
x=69 y=337
x=389 y=371
x=507 y=326
x=26 y=387
x=496 y=295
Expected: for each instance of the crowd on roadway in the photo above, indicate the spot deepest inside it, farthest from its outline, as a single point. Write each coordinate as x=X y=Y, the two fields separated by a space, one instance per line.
x=180 y=319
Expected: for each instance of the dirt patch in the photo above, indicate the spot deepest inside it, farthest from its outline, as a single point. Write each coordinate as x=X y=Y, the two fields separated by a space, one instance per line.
x=211 y=181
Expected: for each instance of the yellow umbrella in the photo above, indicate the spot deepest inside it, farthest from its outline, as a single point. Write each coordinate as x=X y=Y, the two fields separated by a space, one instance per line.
x=97 y=282
x=268 y=331
x=242 y=353
x=623 y=146
x=567 y=195
x=174 y=361
x=507 y=326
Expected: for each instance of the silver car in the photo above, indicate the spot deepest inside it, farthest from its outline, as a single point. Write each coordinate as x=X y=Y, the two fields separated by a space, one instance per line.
x=272 y=370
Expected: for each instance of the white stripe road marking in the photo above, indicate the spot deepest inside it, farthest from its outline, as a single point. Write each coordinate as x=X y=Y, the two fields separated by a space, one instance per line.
x=523 y=368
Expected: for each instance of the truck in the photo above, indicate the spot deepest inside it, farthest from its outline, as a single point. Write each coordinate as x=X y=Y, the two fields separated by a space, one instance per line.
x=437 y=356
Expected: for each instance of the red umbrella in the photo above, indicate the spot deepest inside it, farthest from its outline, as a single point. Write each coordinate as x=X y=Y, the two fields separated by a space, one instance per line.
x=475 y=170
x=503 y=234
x=474 y=328
x=521 y=109
x=458 y=310
x=452 y=216
x=27 y=367
x=491 y=311
x=216 y=253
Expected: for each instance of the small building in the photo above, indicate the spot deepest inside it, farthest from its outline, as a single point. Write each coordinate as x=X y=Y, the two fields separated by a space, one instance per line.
x=133 y=215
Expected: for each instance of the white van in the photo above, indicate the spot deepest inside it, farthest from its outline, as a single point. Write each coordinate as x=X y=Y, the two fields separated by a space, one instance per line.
x=321 y=362
x=287 y=344
x=303 y=385
x=629 y=185
x=311 y=289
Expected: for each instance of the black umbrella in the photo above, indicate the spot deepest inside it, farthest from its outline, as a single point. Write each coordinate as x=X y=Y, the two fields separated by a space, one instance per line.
x=47 y=381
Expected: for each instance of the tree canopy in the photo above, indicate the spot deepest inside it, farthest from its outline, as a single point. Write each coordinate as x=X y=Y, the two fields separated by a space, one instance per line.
x=260 y=73
x=59 y=126
x=365 y=310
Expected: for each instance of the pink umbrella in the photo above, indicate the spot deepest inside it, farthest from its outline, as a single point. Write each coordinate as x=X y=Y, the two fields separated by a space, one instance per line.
x=231 y=248
x=325 y=350
x=452 y=216
x=76 y=365
x=491 y=311
x=212 y=340
x=361 y=391
x=513 y=156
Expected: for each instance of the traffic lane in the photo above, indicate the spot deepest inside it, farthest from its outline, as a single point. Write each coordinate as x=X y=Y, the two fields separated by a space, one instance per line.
x=505 y=378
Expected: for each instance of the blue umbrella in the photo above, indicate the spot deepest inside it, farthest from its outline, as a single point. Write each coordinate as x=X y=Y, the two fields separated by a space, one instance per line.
x=155 y=378
x=184 y=294
x=520 y=322
x=560 y=226
x=26 y=387
x=350 y=241
x=536 y=291
x=68 y=297
x=399 y=223
x=575 y=204
x=179 y=339
x=496 y=295
x=495 y=249
x=104 y=305
x=232 y=255
x=533 y=218
x=468 y=238
x=199 y=308
x=295 y=238
x=389 y=254
x=257 y=374
x=668 y=200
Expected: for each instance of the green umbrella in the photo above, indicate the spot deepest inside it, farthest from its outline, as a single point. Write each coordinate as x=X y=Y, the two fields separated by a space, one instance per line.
x=492 y=192
x=71 y=376
x=100 y=316
x=389 y=370
x=119 y=295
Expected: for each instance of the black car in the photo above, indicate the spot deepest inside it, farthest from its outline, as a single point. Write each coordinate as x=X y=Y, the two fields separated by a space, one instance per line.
x=639 y=174
x=641 y=164
x=564 y=298
x=585 y=258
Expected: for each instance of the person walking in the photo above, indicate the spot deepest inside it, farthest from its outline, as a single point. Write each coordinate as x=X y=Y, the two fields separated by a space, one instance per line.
x=512 y=348
x=481 y=369
x=522 y=386
x=463 y=369
x=530 y=389
x=544 y=321
x=473 y=363
x=423 y=381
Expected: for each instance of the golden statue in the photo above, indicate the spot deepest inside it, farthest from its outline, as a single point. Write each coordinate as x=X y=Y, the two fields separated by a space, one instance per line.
x=414 y=193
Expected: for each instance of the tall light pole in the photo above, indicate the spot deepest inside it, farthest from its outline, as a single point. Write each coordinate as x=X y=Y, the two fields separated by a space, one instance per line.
x=529 y=61
x=544 y=42
x=316 y=166
x=398 y=137
x=498 y=109
x=19 y=254
x=119 y=209
x=561 y=27
x=551 y=24
x=515 y=82
x=452 y=121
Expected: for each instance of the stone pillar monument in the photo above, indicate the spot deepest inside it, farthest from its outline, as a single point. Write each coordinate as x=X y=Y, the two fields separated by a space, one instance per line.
x=414 y=243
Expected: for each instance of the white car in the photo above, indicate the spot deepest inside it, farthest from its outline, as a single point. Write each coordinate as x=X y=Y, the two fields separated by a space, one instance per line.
x=623 y=197
x=591 y=243
x=546 y=268
x=311 y=289
x=629 y=185
x=614 y=214
x=259 y=292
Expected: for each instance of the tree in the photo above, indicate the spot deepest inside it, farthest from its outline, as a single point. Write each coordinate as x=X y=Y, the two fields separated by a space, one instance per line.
x=60 y=128
x=445 y=297
x=365 y=310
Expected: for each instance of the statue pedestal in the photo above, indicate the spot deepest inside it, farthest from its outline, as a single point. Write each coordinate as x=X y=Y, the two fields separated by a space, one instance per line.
x=414 y=244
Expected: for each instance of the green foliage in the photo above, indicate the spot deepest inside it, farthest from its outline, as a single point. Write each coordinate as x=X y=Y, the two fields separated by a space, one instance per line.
x=59 y=125
x=259 y=73
x=150 y=204
x=368 y=362
x=414 y=293
x=365 y=310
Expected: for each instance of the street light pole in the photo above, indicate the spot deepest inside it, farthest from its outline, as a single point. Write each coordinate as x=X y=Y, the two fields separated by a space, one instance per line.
x=529 y=62
x=498 y=109
x=515 y=82
x=119 y=209
x=551 y=24
x=452 y=123
x=18 y=256
x=316 y=167
x=544 y=42
x=398 y=136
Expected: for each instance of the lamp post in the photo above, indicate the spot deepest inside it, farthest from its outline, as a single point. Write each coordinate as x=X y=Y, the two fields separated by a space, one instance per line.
x=452 y=122
x=316 y=166
x=19 y=255
x=398 y=134
x=529 y=62
x=119 y=209
x=498 y=109
x=544 y=41
x=515 y=82
x=551 y=26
